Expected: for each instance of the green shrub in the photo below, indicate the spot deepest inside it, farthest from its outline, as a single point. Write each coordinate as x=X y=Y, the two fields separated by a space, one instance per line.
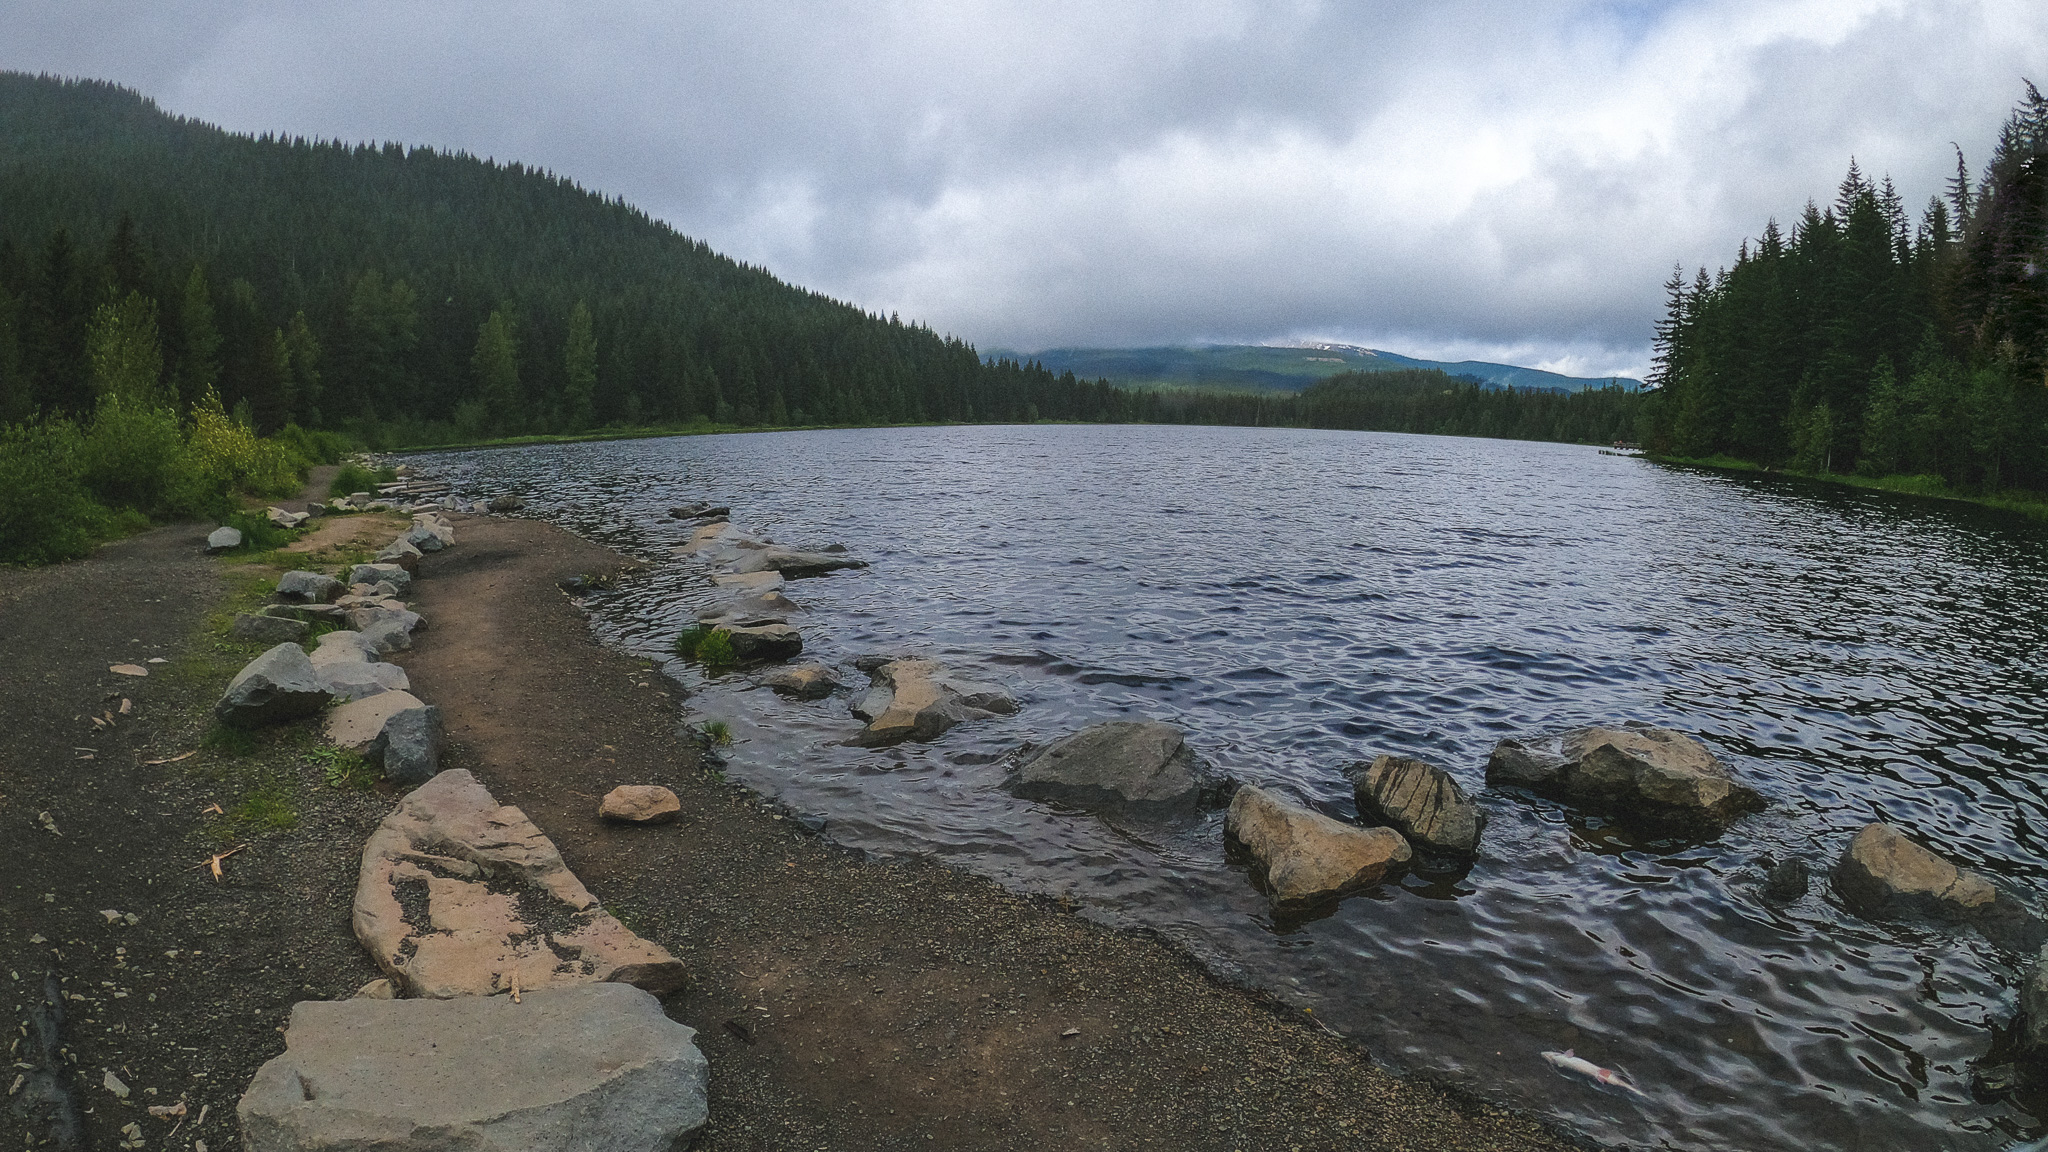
x=707 y=645
x=356 y=478
x=133 y=456
x=45 y=513
x=227 y=457
x=258 y=533
x=312 y=447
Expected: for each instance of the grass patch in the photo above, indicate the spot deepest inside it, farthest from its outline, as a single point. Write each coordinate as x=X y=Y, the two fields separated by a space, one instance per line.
x=718 y=732
x=228 y=740
x=707 y=645
x=268 y=805
x=341 y=768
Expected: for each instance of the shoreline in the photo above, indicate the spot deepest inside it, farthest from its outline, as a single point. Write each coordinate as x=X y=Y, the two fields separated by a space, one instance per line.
x=2030 y=505
x=842 y=1002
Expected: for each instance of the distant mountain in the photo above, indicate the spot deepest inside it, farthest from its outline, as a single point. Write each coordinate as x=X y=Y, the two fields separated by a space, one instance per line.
x=1279 y=369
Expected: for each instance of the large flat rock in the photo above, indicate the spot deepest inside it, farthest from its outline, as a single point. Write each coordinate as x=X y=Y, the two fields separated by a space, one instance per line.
x=1133 y=768
x=596 y=1067
x=462 y=896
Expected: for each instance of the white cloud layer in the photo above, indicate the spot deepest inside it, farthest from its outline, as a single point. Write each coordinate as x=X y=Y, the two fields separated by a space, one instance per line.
x=1500 y=180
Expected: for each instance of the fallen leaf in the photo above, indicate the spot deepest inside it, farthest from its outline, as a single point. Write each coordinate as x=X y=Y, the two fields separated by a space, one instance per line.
x=128 y=669
x=112 y=1083
x=213 y=808
x=213 y=862
x=174 y=760
x=126 y=705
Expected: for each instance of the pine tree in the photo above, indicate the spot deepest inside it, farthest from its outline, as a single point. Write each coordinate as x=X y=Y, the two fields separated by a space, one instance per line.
x=496 y=365
x=579 y=369
x=199 y=341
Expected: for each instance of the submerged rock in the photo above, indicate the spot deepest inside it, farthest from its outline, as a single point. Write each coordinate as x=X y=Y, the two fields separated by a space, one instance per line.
x=794 y=564
x=569 y=1068
x=920 y=700
x=492 y=903
x=1883 y=874
x=1639 y=773
x=769 y=607
x=507 y=503
x=1136 y=768
x=1419 y=800
x=811 y=681
x=1787 y=880
x=1303 y=856
x=762 y=642
x=277 y=686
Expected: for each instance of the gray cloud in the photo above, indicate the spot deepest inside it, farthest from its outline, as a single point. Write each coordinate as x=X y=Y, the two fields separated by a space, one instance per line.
x=1506 y=180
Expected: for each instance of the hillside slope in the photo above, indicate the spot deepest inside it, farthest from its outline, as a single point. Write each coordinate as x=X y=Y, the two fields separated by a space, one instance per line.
x=398 y=258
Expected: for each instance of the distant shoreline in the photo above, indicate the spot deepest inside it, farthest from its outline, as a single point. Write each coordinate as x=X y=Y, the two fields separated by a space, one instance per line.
x=2032 y=505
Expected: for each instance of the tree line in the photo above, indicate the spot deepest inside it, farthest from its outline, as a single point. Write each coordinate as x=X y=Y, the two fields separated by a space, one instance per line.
x=1866 y=342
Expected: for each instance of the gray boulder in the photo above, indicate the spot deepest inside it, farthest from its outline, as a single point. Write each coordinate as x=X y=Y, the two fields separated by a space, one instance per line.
x=308 y=588
x=1125 y=768
x=425 y=539
x=390 y=574
x=277 y=686
x=920 y=700
x=506 y=504
x=402 y=554
x=356 y=679
x=592 y=1067
x=1419 y=800
x=1645 y=775
x=770 y=607
x=1303 y=856
x=1882 y=874
x=378 y=611
x=284 y=519
x=261 y=629
x=223 y=539
x=315 y=509
x=390 y=633
x=409 y=746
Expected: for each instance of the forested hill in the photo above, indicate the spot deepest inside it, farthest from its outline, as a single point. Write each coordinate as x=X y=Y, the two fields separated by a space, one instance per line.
x=1867 y=341
x=407 y=292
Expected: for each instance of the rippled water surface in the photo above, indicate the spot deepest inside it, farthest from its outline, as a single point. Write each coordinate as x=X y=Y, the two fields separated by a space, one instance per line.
x=1301 y=600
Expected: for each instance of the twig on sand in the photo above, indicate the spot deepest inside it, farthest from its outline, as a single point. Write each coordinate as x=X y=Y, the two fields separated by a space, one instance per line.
x=170 y=759
x=213 y=862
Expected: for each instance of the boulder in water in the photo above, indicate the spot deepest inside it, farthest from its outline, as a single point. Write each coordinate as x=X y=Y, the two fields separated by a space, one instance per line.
x=1883 y=874
x=1304 y=856
x=1420 y=801
x=812 y=681
x=921 y=700
x=1124 y=768
x=1642 y=774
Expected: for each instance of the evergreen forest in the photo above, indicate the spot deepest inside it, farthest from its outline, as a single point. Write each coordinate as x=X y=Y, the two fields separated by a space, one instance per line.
x=1870 y=343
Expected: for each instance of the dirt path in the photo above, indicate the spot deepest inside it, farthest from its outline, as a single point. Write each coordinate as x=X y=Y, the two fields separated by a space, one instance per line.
x=182 y=1003
x=854 y=1005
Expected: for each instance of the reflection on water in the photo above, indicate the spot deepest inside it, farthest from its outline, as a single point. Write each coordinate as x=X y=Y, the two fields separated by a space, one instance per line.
x=1301 y=600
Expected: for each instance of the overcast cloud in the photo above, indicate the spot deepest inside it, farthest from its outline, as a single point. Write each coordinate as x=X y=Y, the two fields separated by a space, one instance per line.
x=1504 y=180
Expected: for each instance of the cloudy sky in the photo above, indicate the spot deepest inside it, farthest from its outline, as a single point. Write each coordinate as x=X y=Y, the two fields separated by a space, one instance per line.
x=1505 y=180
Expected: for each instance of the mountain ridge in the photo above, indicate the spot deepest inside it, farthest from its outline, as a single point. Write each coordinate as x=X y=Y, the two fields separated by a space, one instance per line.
x=1277 y=368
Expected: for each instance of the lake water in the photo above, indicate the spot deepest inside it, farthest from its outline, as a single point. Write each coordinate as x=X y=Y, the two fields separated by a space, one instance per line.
x=1301 y=600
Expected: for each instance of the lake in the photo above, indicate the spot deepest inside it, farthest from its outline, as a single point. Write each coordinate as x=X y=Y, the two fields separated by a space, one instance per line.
x=1298 y=601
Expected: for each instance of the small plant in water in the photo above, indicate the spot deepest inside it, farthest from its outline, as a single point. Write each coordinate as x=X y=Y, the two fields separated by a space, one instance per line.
x=718 y=732
x=706 y=645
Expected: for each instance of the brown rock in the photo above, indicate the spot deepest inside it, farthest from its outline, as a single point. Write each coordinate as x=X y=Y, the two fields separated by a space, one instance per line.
x=920 y=700
x=1640 y=773
x=1306 y=856
x=356 y=724
x=640 y=804
x=802 y=681
x=1882 y=873
x=462 y=896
